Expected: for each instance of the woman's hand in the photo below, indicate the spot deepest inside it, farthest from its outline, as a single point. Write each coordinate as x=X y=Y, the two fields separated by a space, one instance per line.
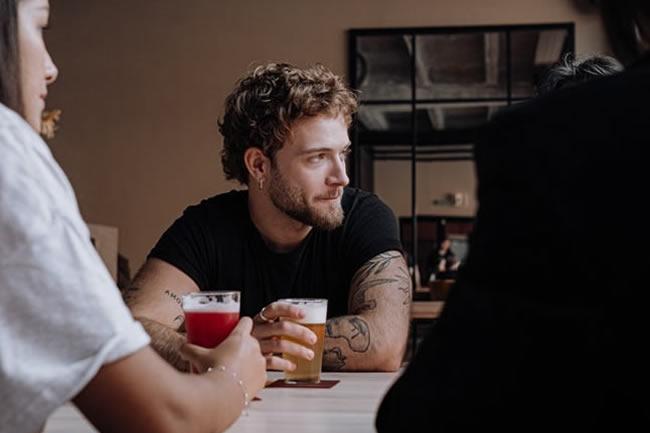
x=239 y=353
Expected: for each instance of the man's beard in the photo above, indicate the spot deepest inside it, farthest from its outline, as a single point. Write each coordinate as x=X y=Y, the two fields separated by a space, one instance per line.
x=292 y=201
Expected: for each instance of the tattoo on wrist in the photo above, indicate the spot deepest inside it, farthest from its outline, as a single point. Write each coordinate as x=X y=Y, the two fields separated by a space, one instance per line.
x=334 y=358
x=354 y=330
x=174 y=296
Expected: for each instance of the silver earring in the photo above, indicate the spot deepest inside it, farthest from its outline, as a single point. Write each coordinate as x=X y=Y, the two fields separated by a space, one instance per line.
x=260 y=183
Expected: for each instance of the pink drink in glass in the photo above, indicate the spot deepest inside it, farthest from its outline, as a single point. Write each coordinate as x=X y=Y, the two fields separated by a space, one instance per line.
x=210 y=317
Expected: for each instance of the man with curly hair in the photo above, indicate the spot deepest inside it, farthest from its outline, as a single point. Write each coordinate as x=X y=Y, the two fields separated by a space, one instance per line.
x=296 y=231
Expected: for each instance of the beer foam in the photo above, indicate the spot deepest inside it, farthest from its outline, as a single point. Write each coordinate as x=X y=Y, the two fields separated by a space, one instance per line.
x=314 y=312
x=209 y=304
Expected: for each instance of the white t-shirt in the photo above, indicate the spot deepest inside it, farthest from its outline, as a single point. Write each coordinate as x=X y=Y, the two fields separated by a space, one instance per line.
x=61 y=315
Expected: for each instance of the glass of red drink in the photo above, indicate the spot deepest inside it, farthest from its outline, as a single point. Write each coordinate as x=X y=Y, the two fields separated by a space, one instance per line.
x=210 y=316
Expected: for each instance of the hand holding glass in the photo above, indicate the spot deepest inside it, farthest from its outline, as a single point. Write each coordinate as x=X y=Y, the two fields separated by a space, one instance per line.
x=314 y=319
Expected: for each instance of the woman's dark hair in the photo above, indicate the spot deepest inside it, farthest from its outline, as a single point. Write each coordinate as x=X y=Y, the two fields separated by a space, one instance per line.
x=10 y=94
x=571 y=71
x=627 y=23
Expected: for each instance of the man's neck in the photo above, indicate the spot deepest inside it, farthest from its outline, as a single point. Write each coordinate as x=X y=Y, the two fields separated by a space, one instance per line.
x=280 y=232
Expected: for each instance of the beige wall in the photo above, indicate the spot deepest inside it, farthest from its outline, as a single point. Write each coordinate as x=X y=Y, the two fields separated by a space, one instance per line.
x=142 y=83
x=434 y=180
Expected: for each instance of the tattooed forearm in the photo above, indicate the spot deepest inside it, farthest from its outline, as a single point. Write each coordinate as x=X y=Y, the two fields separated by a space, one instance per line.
x=373 y=335
x=374 y=275
x=334 y=359
x=166 y=342
x=352 y=329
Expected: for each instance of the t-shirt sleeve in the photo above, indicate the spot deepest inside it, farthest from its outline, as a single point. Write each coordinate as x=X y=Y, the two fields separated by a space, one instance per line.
x=61 y=315
x=371 y=230
x=186 y=246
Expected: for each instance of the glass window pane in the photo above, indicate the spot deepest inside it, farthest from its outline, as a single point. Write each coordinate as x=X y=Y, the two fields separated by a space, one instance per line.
x=455 y=116
x=383 y=65
x=385 y=117
x=461 y=66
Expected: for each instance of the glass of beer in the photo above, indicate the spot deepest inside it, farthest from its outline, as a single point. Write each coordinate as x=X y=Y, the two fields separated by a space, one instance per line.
x=315 y=318
x=210 y=316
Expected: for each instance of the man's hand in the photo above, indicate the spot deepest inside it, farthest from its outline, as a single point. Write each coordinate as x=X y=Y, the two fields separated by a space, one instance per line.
x=274 y=322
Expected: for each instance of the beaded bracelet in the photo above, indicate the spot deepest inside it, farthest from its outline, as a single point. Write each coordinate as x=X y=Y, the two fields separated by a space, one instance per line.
x=234 y=376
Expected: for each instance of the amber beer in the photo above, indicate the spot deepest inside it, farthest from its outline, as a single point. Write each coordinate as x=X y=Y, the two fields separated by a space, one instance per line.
x=315 y=317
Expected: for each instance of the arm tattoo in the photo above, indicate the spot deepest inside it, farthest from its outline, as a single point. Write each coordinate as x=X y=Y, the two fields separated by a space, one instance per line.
x=180 y=320
x=376 y=265
x=354 y=330
x=129 y=294
x=368 y=277
x=174 y=296
x=359 y=300
x=404 y=280
x=334 y=358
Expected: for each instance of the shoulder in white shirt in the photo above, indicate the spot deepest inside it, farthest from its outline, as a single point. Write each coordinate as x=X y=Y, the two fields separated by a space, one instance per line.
x=61 y=315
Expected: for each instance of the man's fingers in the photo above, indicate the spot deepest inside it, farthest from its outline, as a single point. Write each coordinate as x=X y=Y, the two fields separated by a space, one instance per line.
x=277 y=345
x=277 y=310
x=277 y=363
x=285 y=328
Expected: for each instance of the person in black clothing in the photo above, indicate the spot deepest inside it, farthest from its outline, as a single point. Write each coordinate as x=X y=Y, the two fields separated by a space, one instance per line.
x=546 y=341
x=296 y=231
x=444 y=261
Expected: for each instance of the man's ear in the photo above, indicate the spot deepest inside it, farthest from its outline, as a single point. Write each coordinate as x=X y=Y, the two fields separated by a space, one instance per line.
x=258 y=166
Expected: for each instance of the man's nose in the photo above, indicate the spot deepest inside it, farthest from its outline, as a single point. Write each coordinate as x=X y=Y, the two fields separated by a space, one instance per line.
x=339 y=175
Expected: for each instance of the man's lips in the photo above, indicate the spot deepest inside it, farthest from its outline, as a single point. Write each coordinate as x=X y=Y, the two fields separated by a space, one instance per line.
x=329 y=197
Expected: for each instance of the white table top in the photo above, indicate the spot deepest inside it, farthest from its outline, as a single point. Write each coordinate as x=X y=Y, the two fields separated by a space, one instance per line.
x=349 y=407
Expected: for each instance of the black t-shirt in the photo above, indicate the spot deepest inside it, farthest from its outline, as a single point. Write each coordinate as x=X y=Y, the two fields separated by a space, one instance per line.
x=217 y=245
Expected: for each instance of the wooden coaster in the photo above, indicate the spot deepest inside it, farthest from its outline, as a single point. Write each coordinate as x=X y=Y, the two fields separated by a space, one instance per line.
x=280 y=383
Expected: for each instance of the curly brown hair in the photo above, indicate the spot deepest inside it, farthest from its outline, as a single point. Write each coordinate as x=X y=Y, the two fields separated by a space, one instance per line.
x=266 y=103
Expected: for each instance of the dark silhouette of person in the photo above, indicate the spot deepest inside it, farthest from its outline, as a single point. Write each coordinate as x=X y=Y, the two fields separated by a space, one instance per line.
x=553 y=338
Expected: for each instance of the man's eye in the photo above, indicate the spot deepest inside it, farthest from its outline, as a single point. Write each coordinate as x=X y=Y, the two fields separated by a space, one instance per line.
x=317 y=158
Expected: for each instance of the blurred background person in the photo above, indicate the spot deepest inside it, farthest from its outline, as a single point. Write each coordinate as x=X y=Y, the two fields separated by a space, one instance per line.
x=444 y=262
